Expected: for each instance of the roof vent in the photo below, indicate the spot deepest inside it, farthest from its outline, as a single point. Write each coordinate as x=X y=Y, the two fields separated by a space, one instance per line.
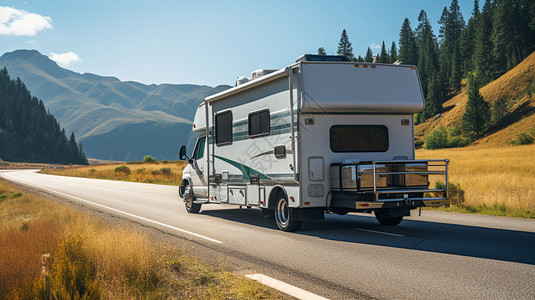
x=241 y=80
x=261 y=72
x=315 y=57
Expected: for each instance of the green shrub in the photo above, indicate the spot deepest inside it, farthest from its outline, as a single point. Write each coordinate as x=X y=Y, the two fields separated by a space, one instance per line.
x=155 y=172
x=523 y=139
x=15 y=195
x=166 y=171
x=436 y=139
x=123 y=170
x=442 y=138
x=165 y=161
x=455 y=193
x=139 y=171
x=148 y=159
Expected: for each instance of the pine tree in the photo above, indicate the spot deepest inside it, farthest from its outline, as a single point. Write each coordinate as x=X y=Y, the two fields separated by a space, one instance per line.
x=408 y=51
x=383 y=56
x=427 y=54
x=483 y=59
x=369 y=55
x=452 y=25
x=321 y=51
x=344 y=46
x=467 y=42
x=393 y=53
x=499 y=110
x=477 y=116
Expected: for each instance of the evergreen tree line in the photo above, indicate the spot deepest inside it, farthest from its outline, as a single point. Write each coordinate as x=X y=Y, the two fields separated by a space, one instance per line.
x=28 y=132
x=494 y=40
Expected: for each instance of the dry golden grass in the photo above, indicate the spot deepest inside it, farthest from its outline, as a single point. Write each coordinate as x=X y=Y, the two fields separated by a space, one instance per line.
x=492 y=176
x=168 y=173
x=512 y=87
x=91 y=259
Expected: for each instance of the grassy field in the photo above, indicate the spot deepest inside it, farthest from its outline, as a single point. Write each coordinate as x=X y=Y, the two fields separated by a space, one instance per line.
x=90 y=259
x=156 y=172
x=496 y=180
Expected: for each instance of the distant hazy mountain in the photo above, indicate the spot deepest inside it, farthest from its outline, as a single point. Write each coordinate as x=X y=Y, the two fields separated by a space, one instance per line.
x=113 y=119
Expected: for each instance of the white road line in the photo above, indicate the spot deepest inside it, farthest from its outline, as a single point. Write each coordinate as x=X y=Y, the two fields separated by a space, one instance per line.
x=380 y=232
x=284 y=287
x=135 y=216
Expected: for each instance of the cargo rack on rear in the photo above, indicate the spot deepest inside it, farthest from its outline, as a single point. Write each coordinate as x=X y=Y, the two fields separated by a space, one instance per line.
x=389 y=181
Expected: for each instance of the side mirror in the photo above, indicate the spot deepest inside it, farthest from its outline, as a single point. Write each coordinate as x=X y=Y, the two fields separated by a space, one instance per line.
x=182 y=153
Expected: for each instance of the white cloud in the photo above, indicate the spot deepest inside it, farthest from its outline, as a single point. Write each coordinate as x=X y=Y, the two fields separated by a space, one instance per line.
x=33 y=43
x=65 y=59
x=19 y=22
x=374 y=46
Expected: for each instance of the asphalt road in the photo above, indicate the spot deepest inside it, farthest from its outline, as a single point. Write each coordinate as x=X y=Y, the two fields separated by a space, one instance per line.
x=435 y=256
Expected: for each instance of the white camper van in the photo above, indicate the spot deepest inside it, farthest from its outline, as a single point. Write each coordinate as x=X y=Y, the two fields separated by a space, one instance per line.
x=323 y=135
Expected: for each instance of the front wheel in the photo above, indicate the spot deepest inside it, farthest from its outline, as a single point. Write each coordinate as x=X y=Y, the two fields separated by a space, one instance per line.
x=384 y=218
x=283 y=217
x=191 y=207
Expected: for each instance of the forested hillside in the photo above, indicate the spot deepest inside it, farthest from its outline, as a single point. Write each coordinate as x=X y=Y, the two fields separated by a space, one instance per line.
x=28 y=133
x=496 y=38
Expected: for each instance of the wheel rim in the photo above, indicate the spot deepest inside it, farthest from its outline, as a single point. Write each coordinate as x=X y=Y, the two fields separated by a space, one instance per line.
x=282 y=212
x=189 y=200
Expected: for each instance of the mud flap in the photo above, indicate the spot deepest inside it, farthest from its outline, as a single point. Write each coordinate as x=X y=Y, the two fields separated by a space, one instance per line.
x=307 y=214
x=398 y=212
x=267 y=214
x=181 y=191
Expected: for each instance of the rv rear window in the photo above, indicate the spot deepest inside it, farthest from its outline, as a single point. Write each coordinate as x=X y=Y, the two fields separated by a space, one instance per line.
x=359 y=138
x=259 y=123
x=223 y=128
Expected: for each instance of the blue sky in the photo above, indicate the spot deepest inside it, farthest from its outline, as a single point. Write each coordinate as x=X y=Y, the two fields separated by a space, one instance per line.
x=200 y=42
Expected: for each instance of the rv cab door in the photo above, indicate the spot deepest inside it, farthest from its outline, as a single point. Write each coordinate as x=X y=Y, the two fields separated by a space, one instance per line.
x=199 y=175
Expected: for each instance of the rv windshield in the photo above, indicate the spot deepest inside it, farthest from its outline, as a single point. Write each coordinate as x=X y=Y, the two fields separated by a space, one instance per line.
x=359 y=138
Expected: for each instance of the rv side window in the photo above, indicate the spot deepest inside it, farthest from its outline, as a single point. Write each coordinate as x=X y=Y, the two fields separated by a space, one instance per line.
x=259 y=123
x=223 y=128
x=199 y=150
x=359 y=138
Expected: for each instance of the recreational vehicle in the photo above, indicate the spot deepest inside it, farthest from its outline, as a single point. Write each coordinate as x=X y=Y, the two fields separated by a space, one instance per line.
x=323 y=135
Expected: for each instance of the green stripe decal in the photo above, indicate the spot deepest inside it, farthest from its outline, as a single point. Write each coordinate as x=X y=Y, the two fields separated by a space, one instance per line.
x=245 y=170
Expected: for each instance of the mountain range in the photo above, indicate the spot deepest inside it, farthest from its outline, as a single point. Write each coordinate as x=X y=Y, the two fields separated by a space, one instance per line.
x=113 y=119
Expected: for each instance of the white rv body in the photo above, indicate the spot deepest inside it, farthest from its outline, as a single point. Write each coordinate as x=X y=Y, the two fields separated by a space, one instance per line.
x=292 y=132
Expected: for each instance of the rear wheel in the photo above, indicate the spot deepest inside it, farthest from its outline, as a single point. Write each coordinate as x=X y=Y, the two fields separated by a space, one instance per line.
x=283 y=217
x=188 y=196
x=384 y=218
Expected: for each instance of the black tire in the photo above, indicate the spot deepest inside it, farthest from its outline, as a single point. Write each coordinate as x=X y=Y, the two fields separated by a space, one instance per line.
x=283 y=216
x=191 y=207
x=384 y=219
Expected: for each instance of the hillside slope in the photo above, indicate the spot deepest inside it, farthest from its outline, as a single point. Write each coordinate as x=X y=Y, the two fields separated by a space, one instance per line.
x=513 y=88
x=27 y=132
x=114 y=120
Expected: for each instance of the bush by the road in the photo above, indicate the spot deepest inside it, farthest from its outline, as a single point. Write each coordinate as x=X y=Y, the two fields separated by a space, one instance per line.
x=148 y=159
x=123 y=170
